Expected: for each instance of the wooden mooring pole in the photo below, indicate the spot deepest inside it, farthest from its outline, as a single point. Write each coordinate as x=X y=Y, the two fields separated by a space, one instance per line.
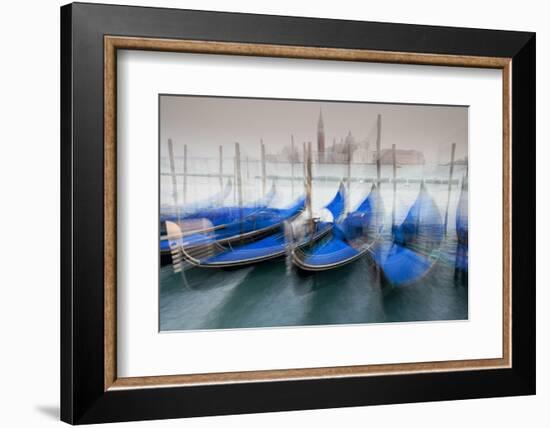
x=451 y=169
x=348 y=181
x=174 y=177
x=394 y=162
x=235 y=178
x=185 y=174
x=378 y=143
x=264 y=177
x=308 y=185
x=292 y=165
x=220 y=166
x=238 y=176
x=304 y=150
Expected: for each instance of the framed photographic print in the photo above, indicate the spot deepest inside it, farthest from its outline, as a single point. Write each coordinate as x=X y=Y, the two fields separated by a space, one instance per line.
x=265 y=213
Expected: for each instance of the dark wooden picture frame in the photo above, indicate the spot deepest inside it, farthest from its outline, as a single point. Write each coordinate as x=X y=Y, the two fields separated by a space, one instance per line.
x=90 y=37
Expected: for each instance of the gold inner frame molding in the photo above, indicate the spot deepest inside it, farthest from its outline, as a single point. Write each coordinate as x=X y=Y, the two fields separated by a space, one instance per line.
x=113 y=43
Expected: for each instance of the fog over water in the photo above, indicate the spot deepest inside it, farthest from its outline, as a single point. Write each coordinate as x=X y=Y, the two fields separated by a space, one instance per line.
x=204 y=123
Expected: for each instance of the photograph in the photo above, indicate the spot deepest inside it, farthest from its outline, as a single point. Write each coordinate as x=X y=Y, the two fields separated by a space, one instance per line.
x=295 y=213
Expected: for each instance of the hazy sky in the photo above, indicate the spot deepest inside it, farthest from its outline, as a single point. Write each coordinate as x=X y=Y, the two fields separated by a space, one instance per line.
x=204 y=123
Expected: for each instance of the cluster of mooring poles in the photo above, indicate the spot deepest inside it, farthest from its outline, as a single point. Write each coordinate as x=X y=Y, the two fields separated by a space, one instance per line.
x=238 y=177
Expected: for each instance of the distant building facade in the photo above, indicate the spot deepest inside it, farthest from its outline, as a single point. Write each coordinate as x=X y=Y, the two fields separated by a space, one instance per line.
x=348 y=149
x=402 y=157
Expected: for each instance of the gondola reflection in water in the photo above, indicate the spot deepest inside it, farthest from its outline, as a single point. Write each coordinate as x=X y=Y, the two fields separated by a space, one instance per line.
x=382 y=224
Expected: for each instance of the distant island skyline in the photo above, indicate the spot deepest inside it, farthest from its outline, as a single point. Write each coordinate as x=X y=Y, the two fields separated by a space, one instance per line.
x=204 y=123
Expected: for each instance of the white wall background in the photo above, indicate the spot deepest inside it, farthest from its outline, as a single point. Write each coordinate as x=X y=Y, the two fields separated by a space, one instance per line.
x=29 y=182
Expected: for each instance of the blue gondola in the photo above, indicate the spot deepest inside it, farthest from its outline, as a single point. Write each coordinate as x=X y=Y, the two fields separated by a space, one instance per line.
x=412 y=251
x=337 y=204
x=170 y=213
x=256 y=222
x=219 y=220
x=267 y=248
x=221 y=216
x=461 y=263
x=350 y=238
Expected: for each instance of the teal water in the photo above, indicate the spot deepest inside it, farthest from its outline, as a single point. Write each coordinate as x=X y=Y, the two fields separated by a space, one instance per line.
x=265 y=295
